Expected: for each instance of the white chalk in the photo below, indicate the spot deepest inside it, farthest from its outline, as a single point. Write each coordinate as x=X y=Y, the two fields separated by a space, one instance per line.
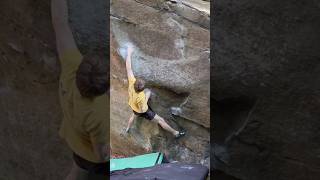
x=122 y=51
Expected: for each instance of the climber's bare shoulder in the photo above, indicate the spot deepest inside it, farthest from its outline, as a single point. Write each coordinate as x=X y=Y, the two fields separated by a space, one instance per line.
x=64 y=37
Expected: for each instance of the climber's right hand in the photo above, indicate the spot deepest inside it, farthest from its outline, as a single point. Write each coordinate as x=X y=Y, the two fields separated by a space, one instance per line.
x=130 y=50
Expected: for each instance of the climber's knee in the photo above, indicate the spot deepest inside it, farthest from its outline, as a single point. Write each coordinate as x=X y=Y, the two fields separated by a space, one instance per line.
x=162 y=123
x=156 y=119
x=160 y=120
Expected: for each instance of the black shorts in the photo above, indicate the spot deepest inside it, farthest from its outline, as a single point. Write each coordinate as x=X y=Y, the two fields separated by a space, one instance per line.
x=149 y=114
x=91 y=167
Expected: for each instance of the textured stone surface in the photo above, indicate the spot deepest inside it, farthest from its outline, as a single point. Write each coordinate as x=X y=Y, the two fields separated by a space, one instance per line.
x=172 y=55
x=89 y=24
x=30 y=114
x=265 y=78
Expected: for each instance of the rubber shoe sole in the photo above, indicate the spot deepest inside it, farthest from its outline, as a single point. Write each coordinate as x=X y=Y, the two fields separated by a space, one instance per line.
x=181 y=134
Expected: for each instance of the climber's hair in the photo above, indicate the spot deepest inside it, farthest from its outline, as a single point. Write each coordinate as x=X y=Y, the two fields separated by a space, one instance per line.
x=92 y=76
x=139 y=85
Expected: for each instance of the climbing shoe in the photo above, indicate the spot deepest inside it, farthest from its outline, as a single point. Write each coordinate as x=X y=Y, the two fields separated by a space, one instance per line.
x=180 y=134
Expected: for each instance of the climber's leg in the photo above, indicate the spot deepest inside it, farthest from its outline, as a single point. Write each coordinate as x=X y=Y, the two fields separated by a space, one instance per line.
x=165 y=125
x=87 y=170
x=152 y=116
x=130 y=121
x=77 y=173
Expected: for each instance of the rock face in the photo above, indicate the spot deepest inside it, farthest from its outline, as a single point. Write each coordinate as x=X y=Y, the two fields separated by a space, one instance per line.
x=265 y=89
x=171 y=52
x=30 y=113
x=89 y=23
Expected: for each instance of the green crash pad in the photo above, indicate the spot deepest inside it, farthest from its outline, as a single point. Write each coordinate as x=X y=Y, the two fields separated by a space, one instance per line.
x=141 y=161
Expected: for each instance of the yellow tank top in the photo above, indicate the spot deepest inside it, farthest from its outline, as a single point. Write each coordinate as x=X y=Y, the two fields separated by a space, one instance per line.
x=137 y=101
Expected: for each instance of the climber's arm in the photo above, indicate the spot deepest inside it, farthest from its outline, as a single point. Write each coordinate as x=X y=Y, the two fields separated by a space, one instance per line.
x=64 y=37
x=99 y=137
x=130 y=122
x=128 y=63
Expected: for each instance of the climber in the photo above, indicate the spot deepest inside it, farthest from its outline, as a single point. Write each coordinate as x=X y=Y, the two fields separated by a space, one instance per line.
x=138 y=100
x=83 y=89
